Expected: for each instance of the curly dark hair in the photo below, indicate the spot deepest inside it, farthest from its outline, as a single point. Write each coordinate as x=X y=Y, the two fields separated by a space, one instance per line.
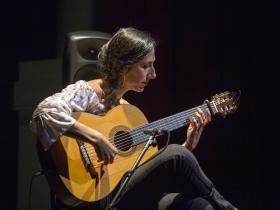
x=127 y=47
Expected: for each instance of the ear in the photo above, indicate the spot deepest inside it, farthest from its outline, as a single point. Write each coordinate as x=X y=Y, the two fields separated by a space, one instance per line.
x=124 y=70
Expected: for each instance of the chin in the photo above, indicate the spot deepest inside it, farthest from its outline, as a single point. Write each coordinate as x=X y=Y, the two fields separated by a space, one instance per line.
x=139 y=90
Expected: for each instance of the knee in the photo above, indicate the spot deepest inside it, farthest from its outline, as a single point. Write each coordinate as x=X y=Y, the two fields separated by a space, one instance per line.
x=175 y=201
x=179 y=150
x=198 y=203
x=181 y=156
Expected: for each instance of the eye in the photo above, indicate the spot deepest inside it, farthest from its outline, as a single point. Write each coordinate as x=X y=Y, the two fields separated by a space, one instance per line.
x=147 y=66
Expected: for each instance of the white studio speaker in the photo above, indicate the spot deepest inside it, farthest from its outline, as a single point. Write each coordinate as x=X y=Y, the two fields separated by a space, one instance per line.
x=80 y=55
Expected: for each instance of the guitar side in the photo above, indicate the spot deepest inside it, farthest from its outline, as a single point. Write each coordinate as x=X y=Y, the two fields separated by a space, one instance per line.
x=66 y=172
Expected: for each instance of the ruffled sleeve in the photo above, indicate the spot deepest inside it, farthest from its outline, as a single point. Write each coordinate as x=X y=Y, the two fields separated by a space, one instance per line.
x=52 y=117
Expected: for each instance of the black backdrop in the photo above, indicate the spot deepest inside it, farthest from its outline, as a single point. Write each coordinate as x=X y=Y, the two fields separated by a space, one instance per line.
x=205 y=48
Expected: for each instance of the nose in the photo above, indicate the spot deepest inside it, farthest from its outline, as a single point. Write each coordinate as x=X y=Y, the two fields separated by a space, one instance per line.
x=153 y=73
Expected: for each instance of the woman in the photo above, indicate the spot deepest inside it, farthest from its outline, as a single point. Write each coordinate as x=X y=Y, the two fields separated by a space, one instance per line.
x=126 y=63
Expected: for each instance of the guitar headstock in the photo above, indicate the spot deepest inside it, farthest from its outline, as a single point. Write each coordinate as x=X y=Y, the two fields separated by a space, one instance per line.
x=226 y=102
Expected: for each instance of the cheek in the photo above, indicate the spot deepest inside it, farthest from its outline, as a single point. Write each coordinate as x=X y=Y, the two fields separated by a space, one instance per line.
x=136 y=77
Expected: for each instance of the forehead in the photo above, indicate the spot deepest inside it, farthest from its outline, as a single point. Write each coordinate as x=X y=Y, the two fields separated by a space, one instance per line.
x=150 y=57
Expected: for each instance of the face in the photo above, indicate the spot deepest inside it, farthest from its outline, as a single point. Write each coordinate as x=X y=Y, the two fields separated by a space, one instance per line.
x=138 y=76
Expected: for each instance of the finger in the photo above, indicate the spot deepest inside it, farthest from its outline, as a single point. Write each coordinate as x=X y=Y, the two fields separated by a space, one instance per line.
x=194 y=125
x=208 y=117
x=111 y=160
x=200 y=113
x=200 y=120
x=101 y=162
x=99 y=155
x=104 y=161
x=208 y=114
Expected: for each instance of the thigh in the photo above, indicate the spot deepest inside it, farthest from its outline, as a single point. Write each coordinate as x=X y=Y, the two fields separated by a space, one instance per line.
x=175 y=201
x=173 y=166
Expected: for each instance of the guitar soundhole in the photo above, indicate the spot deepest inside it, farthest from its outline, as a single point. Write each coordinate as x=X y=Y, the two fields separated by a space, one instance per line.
x=122 y=141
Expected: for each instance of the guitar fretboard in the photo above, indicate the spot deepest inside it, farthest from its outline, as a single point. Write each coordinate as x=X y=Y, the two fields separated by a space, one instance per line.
x=169 y=123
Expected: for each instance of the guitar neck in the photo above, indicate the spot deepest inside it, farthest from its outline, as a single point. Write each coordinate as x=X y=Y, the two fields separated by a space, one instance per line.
x=169 y=123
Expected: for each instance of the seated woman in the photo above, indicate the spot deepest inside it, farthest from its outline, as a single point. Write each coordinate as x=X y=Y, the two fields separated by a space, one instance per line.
x=126 y=63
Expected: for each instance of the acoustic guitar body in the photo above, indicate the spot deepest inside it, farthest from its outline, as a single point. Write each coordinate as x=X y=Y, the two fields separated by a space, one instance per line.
x=78 y=184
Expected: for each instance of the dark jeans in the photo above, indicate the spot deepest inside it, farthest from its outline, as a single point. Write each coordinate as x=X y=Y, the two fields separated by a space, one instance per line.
x=171 y=179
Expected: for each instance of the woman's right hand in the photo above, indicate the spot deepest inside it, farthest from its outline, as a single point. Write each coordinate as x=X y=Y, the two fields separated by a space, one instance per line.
x=105 y=151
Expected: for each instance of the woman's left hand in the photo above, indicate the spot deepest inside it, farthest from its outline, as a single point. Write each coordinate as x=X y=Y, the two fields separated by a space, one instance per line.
x=196 y=127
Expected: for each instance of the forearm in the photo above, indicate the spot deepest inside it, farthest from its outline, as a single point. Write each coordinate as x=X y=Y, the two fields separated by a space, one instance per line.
x=103 y=148
x=83 y=133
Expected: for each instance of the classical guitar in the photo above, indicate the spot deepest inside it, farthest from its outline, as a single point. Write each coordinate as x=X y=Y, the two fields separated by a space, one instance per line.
x=72 y=168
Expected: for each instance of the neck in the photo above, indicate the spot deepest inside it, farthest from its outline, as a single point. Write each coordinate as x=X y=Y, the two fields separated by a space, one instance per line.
x=120 y=94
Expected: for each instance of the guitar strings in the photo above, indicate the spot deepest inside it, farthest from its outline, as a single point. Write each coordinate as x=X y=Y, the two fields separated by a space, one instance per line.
x=119 y=137
x=92 y=151
x=171 y=124
x=138 y=136
x=174 y=118
x=125 y=144
x=213 y=105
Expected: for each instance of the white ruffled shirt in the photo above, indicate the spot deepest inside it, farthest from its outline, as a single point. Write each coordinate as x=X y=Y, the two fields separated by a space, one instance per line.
x=53 y=115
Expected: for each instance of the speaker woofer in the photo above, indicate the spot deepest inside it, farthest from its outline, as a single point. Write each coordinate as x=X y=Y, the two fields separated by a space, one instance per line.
x=80 y=55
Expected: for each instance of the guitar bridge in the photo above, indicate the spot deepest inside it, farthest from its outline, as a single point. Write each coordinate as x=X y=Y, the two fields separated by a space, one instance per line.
x=87 y=161
x=85 y=155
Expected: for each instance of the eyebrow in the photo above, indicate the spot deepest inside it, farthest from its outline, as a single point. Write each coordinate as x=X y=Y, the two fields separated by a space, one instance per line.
x=148 y=61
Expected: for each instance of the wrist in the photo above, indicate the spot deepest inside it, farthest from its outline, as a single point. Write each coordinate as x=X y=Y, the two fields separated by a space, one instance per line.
x=188 y=145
